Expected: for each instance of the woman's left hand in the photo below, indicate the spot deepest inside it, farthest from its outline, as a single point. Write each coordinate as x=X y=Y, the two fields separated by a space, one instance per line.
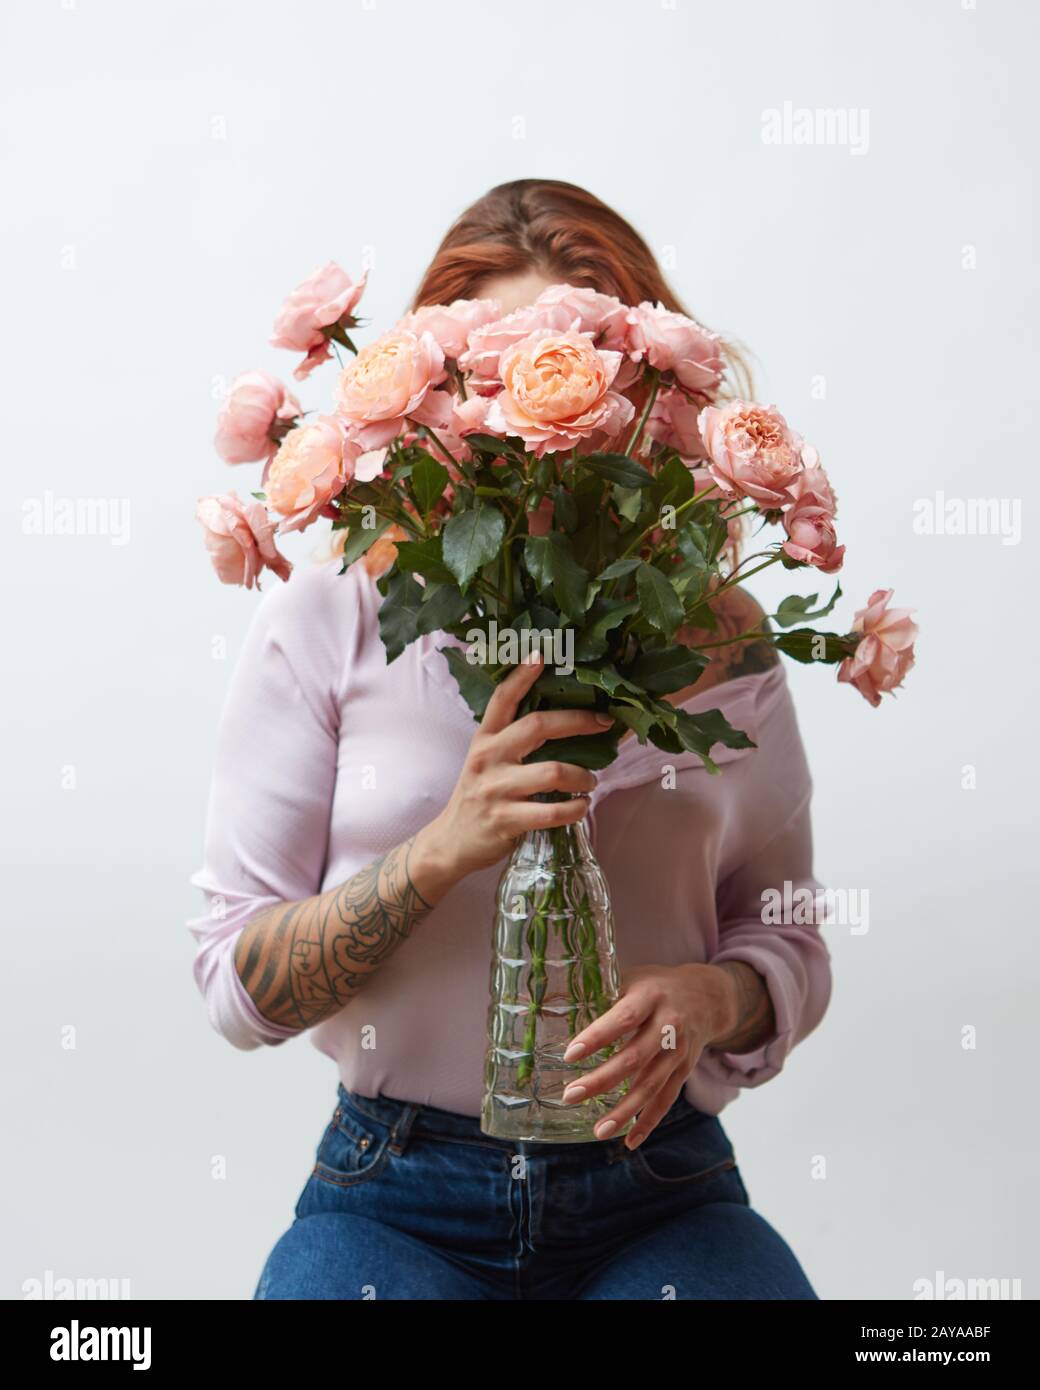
x=673 y=1013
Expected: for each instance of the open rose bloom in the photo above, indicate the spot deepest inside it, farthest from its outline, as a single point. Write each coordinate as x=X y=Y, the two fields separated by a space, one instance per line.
x=573 y=464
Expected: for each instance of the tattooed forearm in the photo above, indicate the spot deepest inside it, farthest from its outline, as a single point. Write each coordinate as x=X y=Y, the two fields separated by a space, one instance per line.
x=755 y=1018
x=301 y=962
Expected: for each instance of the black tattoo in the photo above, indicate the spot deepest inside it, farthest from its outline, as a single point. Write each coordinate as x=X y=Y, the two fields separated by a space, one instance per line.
x=303 y=961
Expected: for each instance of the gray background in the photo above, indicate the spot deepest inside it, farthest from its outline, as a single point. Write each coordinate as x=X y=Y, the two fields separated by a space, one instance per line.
x=145 y=264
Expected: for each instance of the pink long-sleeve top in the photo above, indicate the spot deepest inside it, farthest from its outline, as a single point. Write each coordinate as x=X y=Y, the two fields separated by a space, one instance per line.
x=327 y=757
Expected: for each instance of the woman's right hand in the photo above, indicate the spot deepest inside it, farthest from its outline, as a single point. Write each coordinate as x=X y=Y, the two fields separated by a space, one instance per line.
x=489 y=807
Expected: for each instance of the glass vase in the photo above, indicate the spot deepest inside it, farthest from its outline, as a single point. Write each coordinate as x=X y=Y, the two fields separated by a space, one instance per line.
x=553 y=970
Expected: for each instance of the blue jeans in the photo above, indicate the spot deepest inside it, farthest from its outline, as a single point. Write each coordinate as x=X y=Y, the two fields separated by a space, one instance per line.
x=411 y=1202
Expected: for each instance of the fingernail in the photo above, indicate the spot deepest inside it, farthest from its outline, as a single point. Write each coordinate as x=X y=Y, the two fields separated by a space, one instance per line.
x=605 y=720
x=605 y=1129
x=574 y=1051
x=532 y=658
x=633 y=1139
x=573 y=1093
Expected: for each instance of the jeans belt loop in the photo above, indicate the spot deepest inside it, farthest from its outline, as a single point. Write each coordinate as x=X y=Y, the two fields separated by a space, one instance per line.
x=401 y=1132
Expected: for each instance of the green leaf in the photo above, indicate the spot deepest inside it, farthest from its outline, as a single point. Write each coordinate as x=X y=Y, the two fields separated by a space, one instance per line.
x=443 y=607
x=563 y=690
x=618 y=569
x=570 y=583
x=805 y=644
x=663 y=737
x=668 y=669
x=550 y=562
x=618 y=468
x=398 y=614
x=538 y=560
x=700 y=732
x=673 y=484
x=636 y=718
x=475 y=684
x=565 y=509
x=658 y=601
x=429 y=479
x=605 y=614
x=488 y=444
x=796 y=608
x=425 y=558
x=606 y=678
x=361 y=539
x=586 y=750
x=471 y=540
x=629 y=503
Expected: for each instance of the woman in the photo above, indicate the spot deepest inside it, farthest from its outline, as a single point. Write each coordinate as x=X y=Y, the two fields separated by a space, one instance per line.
x=357 y=828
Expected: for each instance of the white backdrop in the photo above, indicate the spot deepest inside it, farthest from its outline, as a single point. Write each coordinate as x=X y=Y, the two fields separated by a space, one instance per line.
x=173 y=171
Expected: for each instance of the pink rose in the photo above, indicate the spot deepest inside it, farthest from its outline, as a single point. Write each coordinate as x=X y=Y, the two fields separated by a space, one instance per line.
x=325 y=300
x=810 y=537
x=602 y=316
x=451 y=324
x=556 y=392
x=470 y=416
x=307 y=472
x=674 y=343
x=885 y=652
x=240 y=539
x=490 y=341
x=753 y=453
x=673 y=421
x=388 y=381
x=256 y=413
x=812 y=483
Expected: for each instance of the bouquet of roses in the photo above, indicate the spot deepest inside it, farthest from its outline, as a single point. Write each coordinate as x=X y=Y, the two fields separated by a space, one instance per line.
x=557 y=476
x=562 y=476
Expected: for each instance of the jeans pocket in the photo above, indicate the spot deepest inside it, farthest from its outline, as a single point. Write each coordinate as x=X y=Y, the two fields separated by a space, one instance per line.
x=686 y=1154
x=350 y=1152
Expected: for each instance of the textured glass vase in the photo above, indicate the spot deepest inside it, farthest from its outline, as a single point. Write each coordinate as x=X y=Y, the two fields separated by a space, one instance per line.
x=553 y=970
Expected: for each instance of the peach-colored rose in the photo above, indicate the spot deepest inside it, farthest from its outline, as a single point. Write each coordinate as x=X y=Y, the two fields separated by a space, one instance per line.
x=602 y=316
x=470 y=415
x=451 y=324
x=556 y=392
x=674 y=343
x=388 y=381
x=306 y=473
x=886 y=651
x=240 y=539
x=810 y=537
x=487 y=343
x=812 y=483
x=752 y=450
x=325 y=299
x=673 y=421
x=257 y=412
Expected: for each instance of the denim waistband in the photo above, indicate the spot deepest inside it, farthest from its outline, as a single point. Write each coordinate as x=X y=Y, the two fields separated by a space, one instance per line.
x=406 y=1118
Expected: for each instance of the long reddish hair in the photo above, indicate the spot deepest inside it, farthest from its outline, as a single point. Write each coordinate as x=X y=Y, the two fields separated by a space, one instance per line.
x=563 y=232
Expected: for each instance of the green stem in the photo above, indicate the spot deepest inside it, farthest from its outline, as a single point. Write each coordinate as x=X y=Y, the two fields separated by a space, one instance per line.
x=655 y=381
